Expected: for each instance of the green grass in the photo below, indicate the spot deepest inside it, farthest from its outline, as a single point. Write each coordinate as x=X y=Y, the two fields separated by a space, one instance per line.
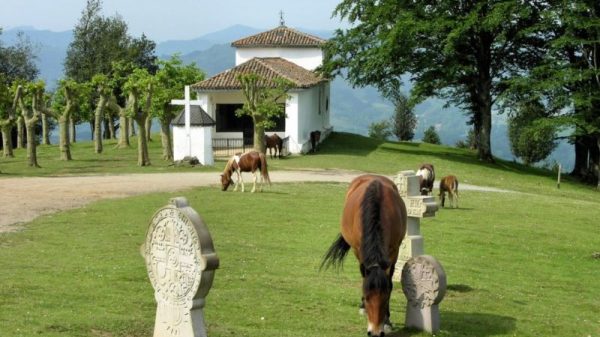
x=518 y=264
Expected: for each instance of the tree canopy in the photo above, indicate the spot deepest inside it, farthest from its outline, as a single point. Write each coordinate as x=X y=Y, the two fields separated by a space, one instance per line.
x=460 y=51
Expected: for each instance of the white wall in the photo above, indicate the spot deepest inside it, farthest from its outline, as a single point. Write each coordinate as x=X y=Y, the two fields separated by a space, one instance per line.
x=200 y=140
x=313 y=113
x=308 y=58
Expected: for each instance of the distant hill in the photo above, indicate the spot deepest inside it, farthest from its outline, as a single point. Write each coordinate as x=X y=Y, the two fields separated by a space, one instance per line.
x=353 y=109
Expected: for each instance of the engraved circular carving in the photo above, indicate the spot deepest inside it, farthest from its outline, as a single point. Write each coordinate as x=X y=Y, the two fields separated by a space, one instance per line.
x=173 y=257
x=423 y=281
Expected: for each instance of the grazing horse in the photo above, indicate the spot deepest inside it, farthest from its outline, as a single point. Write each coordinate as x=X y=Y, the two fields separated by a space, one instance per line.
x=373 y=225
x=449 y=184
x=426 y=175
x=315 y=137
x=252 y=161
x=275 y=143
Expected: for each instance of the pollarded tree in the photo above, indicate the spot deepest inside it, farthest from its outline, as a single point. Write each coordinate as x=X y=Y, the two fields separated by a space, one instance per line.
x=31 y=111
x=9 y=98
x=64 y=103
x=462 y=51
x=171 y=78
x=104 y=91
x=263 y=102
x=139 y=87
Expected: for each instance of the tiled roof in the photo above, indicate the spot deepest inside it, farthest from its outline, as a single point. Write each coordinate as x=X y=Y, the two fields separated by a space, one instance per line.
x=198 y=117
x=268 y=68
x=281 y=36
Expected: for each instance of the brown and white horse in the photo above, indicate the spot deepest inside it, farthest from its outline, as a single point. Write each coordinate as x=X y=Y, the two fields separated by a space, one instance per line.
x=252 y=161
x=426 y=175
x=373 y=225
x=275 y=143
x=449 y=184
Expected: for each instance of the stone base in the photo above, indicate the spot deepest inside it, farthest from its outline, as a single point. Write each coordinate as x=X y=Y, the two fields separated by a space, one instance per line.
x=177 y=321
x=425 y=319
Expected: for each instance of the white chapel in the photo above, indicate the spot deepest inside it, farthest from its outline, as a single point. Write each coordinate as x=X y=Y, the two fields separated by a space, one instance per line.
x=280 y=52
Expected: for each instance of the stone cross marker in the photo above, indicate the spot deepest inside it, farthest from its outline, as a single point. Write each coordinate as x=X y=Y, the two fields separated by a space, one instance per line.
x=181 y=263
x=187 y=103
x=417 y=207
x=424 y=285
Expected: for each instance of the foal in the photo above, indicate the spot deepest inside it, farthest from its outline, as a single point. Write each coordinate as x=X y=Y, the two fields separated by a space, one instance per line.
x=449 y=184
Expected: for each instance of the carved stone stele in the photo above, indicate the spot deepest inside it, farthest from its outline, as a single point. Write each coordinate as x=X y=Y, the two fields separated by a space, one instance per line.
x=181 y=261
x=424 y=285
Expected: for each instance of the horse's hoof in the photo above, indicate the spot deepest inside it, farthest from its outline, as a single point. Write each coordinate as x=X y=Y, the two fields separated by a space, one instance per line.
x=361 y=311
x=387 y=328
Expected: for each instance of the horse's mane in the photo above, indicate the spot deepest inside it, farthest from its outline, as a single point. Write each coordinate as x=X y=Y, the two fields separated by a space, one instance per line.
x=229 y=166
x=375 y=260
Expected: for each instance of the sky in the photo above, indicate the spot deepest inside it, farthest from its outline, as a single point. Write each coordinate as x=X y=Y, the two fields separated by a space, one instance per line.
x=164 y=20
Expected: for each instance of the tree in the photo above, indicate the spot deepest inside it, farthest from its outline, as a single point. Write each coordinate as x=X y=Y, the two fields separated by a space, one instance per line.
x=17 y=62
x=263 y=102
x=140 y=86
x=459 y=51
x=380 y=130
x=104 y=91
x=530 y=138
x=430 y=136
x=404 y=121
x=30 y=111
x=100 y=42
x=9 y=98
x=171 y=78
x=65 y=102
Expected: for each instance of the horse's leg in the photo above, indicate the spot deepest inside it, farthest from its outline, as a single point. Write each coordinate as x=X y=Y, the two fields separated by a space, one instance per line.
x=387 y=323
x=254 y=184
x=456 y=198
x=442 y=196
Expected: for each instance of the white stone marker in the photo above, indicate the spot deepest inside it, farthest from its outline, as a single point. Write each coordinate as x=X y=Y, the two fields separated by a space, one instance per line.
x=424 y=285
x=181 y=263
x=417 y=207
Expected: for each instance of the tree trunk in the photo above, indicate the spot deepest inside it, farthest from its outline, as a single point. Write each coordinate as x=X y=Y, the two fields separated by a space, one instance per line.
x=259 y=136
x=7 y=147
x=31 y=143
x=148 y=128
x=165 y=135
x=45 y=131
x=111 y=128
x=65 y=148
x=143 y=157
x=72 y=133
x=99 y=115
x=131 y=127
x=123 y=132
x=597 y=166
x=581 y=153
x=20 y=133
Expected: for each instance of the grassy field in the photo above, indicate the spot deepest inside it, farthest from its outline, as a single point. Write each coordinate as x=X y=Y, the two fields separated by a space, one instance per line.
x=518 y=264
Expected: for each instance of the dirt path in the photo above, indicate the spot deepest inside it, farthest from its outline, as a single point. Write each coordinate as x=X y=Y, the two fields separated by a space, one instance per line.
x=24 y=199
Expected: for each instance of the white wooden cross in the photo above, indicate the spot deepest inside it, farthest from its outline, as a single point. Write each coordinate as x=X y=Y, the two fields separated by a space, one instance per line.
x=417 y=207
x=187 y=103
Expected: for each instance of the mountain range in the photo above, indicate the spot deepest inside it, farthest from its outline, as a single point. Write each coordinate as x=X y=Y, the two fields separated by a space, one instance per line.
x=352 y=109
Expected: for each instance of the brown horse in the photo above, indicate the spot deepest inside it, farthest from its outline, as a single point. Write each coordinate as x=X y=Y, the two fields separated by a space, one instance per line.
x=449 y=184
x=426 y=175
x=248 y=162
x=373 y=225
x=275 y=143
x=315 y=137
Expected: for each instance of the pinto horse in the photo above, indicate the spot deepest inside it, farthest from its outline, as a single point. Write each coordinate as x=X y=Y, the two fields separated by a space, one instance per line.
x=373 y=224
x=426 y=175
x=274 y=142
x=252 y=161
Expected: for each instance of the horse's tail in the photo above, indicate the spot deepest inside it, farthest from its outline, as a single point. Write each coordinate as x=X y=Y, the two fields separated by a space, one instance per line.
x=263 y=168
x=336 y=253
x=371 y=246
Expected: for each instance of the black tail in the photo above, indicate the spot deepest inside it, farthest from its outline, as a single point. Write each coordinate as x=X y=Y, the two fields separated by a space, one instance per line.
x=336 y=253
x=372 y=237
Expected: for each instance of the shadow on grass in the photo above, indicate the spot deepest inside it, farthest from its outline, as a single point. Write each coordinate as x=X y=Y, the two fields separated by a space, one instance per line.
x=459 y=288
x=467 y=324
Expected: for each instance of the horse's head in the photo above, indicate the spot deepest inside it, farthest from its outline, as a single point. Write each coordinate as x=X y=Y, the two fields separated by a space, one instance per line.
x=225 y=181
x=376 y=293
